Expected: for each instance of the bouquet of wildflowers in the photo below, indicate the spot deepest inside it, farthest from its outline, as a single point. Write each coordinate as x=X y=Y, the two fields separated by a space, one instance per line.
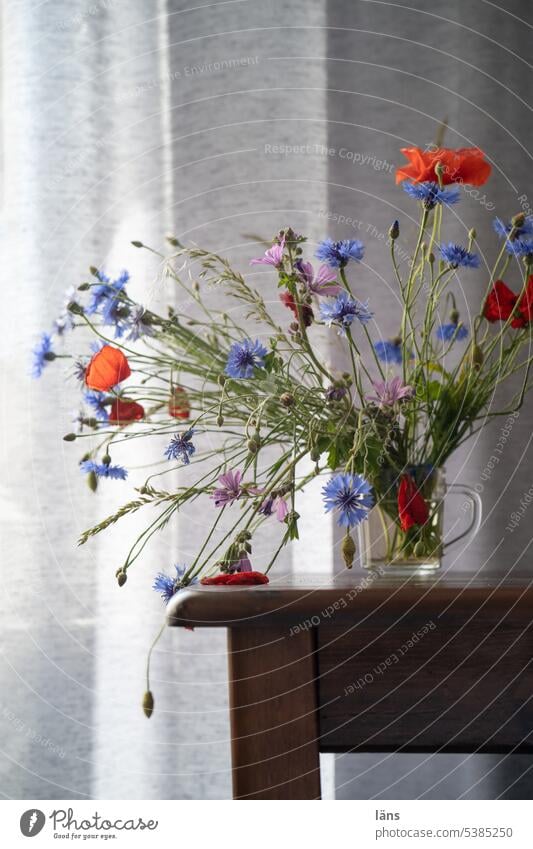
x=246 y=409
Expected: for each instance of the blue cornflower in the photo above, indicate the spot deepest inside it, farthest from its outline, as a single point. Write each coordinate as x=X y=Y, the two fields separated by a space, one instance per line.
x=452 y=331
x=456 y=255
x=351 y=495
x=137 y=325
x=338 y=254
x=167 y=586
x=430 y=194
x=389 y=350
x=104 y=470
x=181 y=447
x=519 y=247
x=42 y=354
x=503 y=229
x=97 y=401
x=244 y=357
x=343 y=310
x=108 y=289
x=66 y=319
x=115 y=312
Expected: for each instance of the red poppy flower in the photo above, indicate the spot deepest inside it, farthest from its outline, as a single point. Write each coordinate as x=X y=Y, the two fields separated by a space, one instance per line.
x=236 y=579
x=412 y=508
x=178 y=404
x=501 y=302
x=107 y=368
x=525 y=307
x=122 y=412
x=465 y=165
x=307 y=313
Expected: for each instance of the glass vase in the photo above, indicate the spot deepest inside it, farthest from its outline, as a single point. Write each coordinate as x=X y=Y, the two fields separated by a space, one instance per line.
x=384 y=544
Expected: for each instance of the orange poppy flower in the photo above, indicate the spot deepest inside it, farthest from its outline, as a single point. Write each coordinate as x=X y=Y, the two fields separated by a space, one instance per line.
x=107 y=368
x=178 y=403
x=465 y=165
x=122 y=411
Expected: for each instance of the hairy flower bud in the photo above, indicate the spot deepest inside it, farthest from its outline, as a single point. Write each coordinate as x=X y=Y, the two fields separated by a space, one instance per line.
x=106 y=459
x=75 y=308
x=348 y=550
x=137 y=244
x=220 y=420
x=69 y=437
x=253 y=444
x=148 y=704
x=394 y=230
x=83 y=287
x=221 y=379
x=314 y=454
x=518 y=219
x=476 y=356
x=92 y=481
x=287 y=399
x=420 y=549
x=121 y=578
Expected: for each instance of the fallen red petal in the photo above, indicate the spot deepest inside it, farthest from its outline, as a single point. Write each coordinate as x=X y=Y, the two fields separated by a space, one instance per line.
x=237 y=579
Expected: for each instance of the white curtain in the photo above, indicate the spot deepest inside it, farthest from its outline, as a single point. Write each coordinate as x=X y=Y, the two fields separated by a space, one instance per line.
x=129 y=121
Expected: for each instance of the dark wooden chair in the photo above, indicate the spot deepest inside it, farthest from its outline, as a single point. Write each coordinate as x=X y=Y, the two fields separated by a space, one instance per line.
x=366 y=663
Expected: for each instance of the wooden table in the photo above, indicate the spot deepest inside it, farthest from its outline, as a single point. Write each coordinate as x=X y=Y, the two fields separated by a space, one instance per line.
x=363 y=662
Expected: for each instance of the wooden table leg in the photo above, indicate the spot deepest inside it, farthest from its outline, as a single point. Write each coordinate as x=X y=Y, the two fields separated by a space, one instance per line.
x=274 y=718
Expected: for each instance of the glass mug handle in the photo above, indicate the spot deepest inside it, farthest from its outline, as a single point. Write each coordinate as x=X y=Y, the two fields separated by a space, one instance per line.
x=477 y=508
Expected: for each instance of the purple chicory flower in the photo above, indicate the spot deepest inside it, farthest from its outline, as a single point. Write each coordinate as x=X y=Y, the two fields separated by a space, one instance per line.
x=275 y=504
x=390 y=392
x=273 y=256
x=321 y=282
x=243 y=564
x=229 y=490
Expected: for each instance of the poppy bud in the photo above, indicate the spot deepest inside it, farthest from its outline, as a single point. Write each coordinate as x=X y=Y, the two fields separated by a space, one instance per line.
x=348 y=550
x=148 y=704
x=420 y=549
x=92 y=481
x=472 y=234
x=518 y=220
x=121 y=578
x=106 y=459
x=69 y=437
x=137 y=244
x=394 y=230
x=253 y=444
x=221 y=379
x=173 y=241
x=314 y=454
x=220 y=420
x=83 y=287
x=431 y=257
x=476 y=356
x=454 y=316
x=178 y=405
x=93 y=270
x=196 y=286
x=75 y=308
x=287 y=399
